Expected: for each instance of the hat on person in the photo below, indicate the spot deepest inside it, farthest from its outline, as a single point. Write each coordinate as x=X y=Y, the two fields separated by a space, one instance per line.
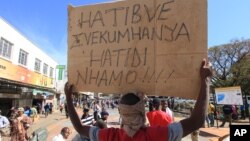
x=156 y=101
x=21 y=109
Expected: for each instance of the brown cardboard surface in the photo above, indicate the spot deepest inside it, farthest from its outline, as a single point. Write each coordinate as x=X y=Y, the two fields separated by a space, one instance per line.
x=154 y=46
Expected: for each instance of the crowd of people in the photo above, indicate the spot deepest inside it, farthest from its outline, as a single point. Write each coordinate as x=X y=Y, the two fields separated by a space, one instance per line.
x=17 y=123
x=15 y=126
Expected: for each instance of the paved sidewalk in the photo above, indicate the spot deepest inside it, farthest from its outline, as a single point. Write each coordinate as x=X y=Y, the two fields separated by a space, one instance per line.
x=214 y=133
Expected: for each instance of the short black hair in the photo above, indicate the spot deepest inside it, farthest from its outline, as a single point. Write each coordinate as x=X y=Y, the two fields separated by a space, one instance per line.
x=129 y=99
x=103 y=113
x=64 y=129
x=156 y=102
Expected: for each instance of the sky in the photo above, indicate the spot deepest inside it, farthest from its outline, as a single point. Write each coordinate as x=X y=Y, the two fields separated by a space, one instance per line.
x=44 y=22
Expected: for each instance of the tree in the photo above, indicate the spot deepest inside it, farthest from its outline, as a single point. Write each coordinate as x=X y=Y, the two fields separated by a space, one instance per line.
x=231 y=64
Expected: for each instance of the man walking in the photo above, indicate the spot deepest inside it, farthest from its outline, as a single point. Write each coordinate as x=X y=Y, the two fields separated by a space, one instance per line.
x=227 y=111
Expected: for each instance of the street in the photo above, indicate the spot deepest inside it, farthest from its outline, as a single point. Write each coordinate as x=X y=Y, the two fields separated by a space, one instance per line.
x=56 y=121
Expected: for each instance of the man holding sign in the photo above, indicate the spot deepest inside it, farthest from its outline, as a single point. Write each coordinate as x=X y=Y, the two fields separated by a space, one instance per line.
x=150 y=46
x=132 y=111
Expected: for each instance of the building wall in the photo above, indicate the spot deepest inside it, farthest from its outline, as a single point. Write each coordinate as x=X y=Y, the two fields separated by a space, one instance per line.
x=12 y=72
x=11 y=69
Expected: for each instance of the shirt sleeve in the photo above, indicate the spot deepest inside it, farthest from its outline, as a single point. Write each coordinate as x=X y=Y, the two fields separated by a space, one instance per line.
x=94 y=133
x=6 y=122
x=175 y=131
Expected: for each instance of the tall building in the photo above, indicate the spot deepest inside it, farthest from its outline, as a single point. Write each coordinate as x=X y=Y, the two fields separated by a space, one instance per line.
x=27 y=74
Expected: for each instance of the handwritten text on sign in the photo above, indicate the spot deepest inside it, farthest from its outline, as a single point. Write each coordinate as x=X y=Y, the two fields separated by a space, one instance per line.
x=155 y=46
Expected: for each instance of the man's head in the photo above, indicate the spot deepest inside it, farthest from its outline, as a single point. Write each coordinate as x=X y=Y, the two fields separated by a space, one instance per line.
x=163 y=102
x=156 y=103
x=65 y=132
x=132 y=111
x=20 y=111
x=86 y=110
x=104 y=115
x=129 y=99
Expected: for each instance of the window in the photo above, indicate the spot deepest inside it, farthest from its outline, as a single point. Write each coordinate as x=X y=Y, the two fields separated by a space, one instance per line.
x=23 y=55
x=37 y=65
x=51 y=72
x=5 y=48
x=45 y=69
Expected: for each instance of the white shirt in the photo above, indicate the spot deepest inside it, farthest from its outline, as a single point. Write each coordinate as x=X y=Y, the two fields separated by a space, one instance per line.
x=4 y=122
x=59 y=137
x=169 y=112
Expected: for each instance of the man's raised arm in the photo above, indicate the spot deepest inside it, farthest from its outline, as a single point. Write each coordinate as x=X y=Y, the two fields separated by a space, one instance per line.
x=197 y=118
x=81 y=129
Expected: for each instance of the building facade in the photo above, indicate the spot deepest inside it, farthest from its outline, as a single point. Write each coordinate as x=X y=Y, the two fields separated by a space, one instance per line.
x=27 y=74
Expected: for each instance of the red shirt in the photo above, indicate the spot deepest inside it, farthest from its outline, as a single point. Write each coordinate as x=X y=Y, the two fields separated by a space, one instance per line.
x=158 y=133
x=159 y=118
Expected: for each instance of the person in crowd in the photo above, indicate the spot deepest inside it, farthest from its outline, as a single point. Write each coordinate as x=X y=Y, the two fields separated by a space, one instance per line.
x=104 y=116
x=158 y=117
x=66 y=110
x=150 y=105
x=100 y=124
x=4 y=126
x=38 y=108
x=20 y=124
x=61 y=107
x=33 y=113
x=86 y=118
x=246 y=108
x=112 y=104
x=234 y=112
x=242 y=112
x=207 y=121
x=132 y=111
x=51 y=108
x=26 y=121
x=103 y=104
x=96 y=109
x=63 y=136
x=107 y=103
x=4 y=122
x=46 y=108
x=172 y=103
x=165 y=108
x=227 y=112
x=27 y=111
x=211 y=111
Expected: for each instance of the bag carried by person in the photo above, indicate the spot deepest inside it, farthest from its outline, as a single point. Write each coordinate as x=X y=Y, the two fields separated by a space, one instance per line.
x=5 y=131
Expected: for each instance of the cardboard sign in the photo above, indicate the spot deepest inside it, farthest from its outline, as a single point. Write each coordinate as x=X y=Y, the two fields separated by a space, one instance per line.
x=153 y=46
x=229 y=96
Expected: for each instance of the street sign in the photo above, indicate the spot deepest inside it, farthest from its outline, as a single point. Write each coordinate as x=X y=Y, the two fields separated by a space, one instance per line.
x=229 y=96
